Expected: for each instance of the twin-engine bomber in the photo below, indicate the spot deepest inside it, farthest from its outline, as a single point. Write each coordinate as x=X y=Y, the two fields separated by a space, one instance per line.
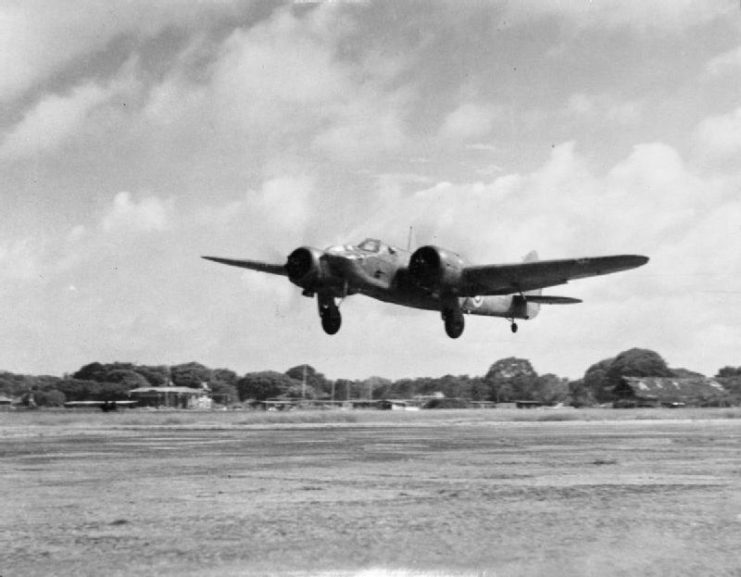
x=431 y=278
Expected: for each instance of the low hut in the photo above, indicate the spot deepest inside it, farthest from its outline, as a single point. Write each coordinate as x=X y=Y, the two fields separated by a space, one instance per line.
x=172 y=397
x=670 y=392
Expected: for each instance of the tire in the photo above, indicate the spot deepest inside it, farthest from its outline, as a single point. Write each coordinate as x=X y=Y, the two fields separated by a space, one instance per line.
x=331 y=321
x=454 y=324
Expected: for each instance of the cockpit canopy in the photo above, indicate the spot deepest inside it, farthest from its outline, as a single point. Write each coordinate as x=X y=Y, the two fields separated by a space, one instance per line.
x=370 y=245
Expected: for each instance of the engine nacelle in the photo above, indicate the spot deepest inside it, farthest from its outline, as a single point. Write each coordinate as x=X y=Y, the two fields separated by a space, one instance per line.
x=436 y=269
x=305 y=267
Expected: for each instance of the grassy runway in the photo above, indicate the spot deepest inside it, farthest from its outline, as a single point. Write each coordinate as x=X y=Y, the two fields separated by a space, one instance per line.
x=366 y=494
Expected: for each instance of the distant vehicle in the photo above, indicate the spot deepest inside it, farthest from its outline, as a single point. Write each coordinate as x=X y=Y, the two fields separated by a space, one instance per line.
x=431 y=278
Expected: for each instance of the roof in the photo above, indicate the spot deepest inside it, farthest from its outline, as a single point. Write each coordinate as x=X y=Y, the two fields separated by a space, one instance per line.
x=671 y=389
x=167 y=390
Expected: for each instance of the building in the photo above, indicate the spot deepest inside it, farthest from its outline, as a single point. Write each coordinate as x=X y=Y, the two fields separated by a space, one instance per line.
x=670 y=392
x=172 y=397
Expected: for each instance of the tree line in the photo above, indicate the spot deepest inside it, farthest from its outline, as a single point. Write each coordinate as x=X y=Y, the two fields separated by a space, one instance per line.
x=507 y=380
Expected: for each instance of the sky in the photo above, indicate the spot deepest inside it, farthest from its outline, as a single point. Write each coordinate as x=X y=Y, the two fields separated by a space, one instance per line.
x=138 y=135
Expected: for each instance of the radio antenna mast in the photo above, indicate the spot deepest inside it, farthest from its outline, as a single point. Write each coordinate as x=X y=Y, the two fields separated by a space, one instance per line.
x=409 y=239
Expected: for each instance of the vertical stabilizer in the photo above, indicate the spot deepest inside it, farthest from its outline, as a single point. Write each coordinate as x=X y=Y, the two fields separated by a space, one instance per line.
x=532 y=256
x=532 y=308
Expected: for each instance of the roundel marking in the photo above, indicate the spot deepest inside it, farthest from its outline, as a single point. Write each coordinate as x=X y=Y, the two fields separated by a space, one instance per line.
x=477 y=301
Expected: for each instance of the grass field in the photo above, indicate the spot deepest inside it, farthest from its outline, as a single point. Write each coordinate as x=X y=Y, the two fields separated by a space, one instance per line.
x=367 y=494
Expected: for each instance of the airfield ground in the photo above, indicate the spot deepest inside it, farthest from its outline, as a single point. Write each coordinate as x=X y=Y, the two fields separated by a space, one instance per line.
x=431 y=493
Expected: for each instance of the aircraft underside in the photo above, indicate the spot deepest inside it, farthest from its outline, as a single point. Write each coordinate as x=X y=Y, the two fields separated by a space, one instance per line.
x=452 y=310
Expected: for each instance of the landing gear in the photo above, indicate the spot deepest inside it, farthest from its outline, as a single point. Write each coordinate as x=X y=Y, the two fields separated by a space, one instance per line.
x=329 y=313
x=513 y=327
x=454 y=322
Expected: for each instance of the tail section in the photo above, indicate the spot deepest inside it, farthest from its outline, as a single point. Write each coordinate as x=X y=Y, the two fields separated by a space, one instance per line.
x=533 y=305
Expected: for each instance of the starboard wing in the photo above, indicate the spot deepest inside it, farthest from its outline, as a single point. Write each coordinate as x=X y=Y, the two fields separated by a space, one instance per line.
x=251 y=264
x=526 y=276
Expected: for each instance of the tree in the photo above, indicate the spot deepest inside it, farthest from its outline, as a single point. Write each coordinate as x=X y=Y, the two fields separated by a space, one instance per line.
x=580 y=394
x=343 y=389
x=15 y=385
x=551 y=389
x=127 y=379
x=224 y=386
x=79 y=389
x=191 y=375
x=157 y=376
x=316 y=380
x=49 y=398
x=114 y=391
x=729 y=372
x=596 y=382
x=511 y=379
x=602 y=377
x=263 y=385
x=375 y=387
x=91 y=372
x=402 y=389
x=99 y=372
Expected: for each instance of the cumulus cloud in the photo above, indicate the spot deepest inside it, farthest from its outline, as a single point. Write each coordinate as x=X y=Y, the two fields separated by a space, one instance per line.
x=39 y=38
x=150 y=214
x=262 y=128
x=51 y=122
x=469 y=120
x=719 y=137
x=278 y=70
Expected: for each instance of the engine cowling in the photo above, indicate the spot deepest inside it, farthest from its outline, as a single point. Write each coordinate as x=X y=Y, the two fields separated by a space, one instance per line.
x=305 y=267
x=436 y=269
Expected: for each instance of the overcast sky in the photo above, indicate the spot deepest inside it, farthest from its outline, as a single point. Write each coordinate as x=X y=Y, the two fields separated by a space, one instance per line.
x=137 y=135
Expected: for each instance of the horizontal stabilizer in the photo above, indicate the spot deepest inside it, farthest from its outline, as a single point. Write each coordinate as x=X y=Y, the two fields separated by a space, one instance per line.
x=548 y=300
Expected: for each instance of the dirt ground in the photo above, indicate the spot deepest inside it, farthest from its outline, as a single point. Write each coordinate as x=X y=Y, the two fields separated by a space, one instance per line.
x=433 y=495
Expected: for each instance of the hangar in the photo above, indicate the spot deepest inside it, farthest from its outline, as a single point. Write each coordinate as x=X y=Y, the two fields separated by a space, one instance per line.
x=670 y=392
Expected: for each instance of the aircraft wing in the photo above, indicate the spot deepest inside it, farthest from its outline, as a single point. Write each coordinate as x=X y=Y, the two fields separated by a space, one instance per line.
x=251 y=264
x=526 y=276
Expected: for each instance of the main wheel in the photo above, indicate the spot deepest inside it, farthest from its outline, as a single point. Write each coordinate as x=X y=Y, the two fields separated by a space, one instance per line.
x=513 y=327
x=454 y=323
x=331 y=321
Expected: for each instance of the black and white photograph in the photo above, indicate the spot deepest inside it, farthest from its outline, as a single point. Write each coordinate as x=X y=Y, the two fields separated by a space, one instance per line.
x=370 y=288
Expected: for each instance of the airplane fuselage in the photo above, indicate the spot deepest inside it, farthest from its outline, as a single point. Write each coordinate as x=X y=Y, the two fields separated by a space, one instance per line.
x=383 y=274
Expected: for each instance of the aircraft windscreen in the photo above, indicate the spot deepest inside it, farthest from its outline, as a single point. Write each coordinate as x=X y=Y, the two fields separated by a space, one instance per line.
x=370 y=245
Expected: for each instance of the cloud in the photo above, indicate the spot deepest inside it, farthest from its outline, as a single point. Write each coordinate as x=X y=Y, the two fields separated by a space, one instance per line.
x=719 y=137
x=603 y=108
x=126 y=215
x=51 y=122
x=725 y=63
x=41 y=38
x=639 y=15
x=19 y=260
x=280 y=89
x=469 y=121
x=278 y=72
